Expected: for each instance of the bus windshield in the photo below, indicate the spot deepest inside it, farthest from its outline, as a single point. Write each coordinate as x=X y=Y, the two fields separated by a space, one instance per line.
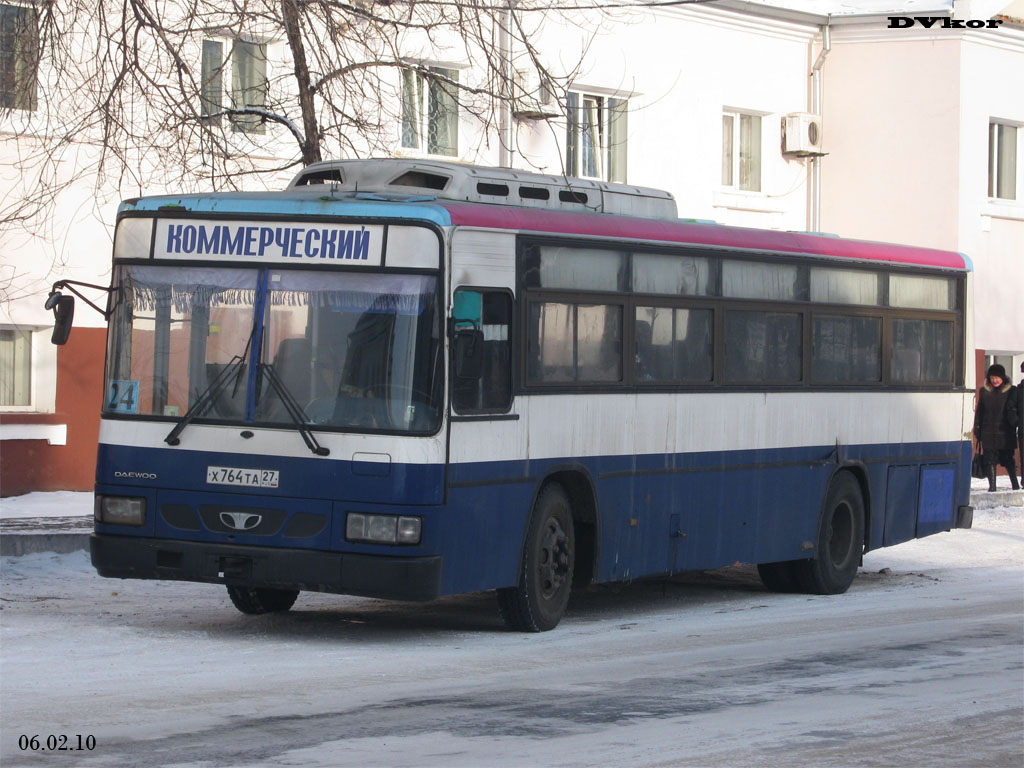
x=353 y=350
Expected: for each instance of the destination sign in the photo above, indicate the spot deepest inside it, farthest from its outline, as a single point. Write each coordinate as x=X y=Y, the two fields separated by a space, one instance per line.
x=268 y=241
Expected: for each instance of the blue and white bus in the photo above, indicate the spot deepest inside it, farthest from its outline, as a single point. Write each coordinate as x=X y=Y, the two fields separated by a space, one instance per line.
x=406 y=379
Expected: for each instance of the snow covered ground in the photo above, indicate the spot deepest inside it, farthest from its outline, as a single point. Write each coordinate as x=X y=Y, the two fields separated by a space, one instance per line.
x=56 y=504
x=921 y=663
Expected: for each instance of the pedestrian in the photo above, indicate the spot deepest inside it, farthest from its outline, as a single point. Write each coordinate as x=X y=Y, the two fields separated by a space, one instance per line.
x=995 y=425
x=1019 y=402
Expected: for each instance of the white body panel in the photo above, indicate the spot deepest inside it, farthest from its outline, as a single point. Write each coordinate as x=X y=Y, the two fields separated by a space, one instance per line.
x=554 y=426
x=274 y=442
x=483 y=258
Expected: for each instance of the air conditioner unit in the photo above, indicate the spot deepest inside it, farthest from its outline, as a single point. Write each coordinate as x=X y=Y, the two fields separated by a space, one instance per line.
x=801 y=134
x=532 y=96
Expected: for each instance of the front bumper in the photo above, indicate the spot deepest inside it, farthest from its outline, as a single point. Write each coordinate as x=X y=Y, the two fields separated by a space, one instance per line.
x=393 y=578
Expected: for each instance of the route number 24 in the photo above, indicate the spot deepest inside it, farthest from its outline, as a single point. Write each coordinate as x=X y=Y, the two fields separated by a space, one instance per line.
x=123 y=396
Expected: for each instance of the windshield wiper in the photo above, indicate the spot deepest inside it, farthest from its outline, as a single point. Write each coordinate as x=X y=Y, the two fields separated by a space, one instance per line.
x=294 y=410
x=207 y=397
x=213 y=390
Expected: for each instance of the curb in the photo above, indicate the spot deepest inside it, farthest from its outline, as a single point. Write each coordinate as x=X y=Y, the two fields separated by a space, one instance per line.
x=999 y=498
x=26 y=535
x=18 y=544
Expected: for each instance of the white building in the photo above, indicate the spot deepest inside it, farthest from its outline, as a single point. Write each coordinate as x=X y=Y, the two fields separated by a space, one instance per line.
x=922 y=130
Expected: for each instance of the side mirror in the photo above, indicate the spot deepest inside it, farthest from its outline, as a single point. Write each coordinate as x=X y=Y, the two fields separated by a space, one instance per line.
x=469 y=353
x=63 y=314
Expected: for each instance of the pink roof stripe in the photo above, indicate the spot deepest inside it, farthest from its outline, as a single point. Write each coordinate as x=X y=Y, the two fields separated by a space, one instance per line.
x=600 y=225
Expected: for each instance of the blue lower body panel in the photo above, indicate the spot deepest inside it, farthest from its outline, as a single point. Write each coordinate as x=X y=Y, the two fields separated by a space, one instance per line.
x=646 y=515
x=665 y=514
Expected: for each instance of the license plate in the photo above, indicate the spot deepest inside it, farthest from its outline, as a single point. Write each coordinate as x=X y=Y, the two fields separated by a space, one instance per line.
x=249 y=478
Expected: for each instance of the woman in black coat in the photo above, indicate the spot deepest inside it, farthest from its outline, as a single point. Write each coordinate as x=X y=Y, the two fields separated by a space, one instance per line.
x=1019 y=402
x=995 y=425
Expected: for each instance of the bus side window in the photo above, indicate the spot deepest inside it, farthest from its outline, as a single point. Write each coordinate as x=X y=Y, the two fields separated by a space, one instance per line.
x=492 y=392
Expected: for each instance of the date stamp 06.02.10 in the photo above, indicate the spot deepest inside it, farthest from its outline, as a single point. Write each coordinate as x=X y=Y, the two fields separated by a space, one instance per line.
x=61 y=743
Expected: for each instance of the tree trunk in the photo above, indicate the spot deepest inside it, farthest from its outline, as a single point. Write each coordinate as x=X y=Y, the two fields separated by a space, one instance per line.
x=310 y=127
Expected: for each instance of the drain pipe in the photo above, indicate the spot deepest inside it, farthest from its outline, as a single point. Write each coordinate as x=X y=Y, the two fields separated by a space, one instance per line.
x=508 y=92
x=816 y=105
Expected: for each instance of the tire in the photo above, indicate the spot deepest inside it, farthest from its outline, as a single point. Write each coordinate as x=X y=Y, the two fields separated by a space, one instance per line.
x=538 y=602
x=840 y=541
x=258 y=600
x=779 y=577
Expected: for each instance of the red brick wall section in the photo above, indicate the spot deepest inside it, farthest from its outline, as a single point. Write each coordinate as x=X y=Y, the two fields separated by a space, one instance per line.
x=35 y=465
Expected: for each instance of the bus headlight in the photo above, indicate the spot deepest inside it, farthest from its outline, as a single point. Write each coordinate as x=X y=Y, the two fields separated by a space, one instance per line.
x=120 y=510
x=383 y=529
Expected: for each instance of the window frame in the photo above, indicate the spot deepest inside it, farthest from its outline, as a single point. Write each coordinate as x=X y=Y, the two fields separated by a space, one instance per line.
x=851 y=311
x=22 y=374
x=224 y=78
x=721 y=347
x=211 y=80
x=613 y=126
x=513 y=329
x=576 y=299
x=995 y=156
x=422 y=122
x=437 y=295
x=735 y=151
x=720 y=305
x=692 y=304
x=888 y=348
x=22 y=92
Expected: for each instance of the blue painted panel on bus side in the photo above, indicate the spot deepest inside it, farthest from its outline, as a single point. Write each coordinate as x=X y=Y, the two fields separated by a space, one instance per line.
x=901 y=504
x=936 y=509
x=743 y=506
x=877 y=477
x=482 y=530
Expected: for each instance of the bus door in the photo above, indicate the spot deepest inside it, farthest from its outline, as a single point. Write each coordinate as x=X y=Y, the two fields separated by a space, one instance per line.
x=488 y=463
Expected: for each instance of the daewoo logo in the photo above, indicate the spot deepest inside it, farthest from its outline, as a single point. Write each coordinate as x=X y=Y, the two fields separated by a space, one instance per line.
x=943 y=22
x=135 y=475
x=240 y=521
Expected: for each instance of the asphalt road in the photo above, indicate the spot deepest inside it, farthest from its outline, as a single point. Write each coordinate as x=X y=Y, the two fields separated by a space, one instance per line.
x=918 y=665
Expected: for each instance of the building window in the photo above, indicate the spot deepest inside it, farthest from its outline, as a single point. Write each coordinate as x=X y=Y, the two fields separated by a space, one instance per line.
x=1002 y=161
x=15 y=367
x=248 y=84
x=595 y=146
x=741 y=151
x=19 y=57
x=212 y=86
x=430 y=111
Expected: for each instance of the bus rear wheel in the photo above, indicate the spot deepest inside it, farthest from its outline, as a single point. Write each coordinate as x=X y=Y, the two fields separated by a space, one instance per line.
x=840 y=541
x=538 y=602
x=258 y=600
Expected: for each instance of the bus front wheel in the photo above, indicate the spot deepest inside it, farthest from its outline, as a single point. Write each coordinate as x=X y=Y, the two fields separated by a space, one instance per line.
x=258 y=600
x=538 y=601
x=840 y=540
